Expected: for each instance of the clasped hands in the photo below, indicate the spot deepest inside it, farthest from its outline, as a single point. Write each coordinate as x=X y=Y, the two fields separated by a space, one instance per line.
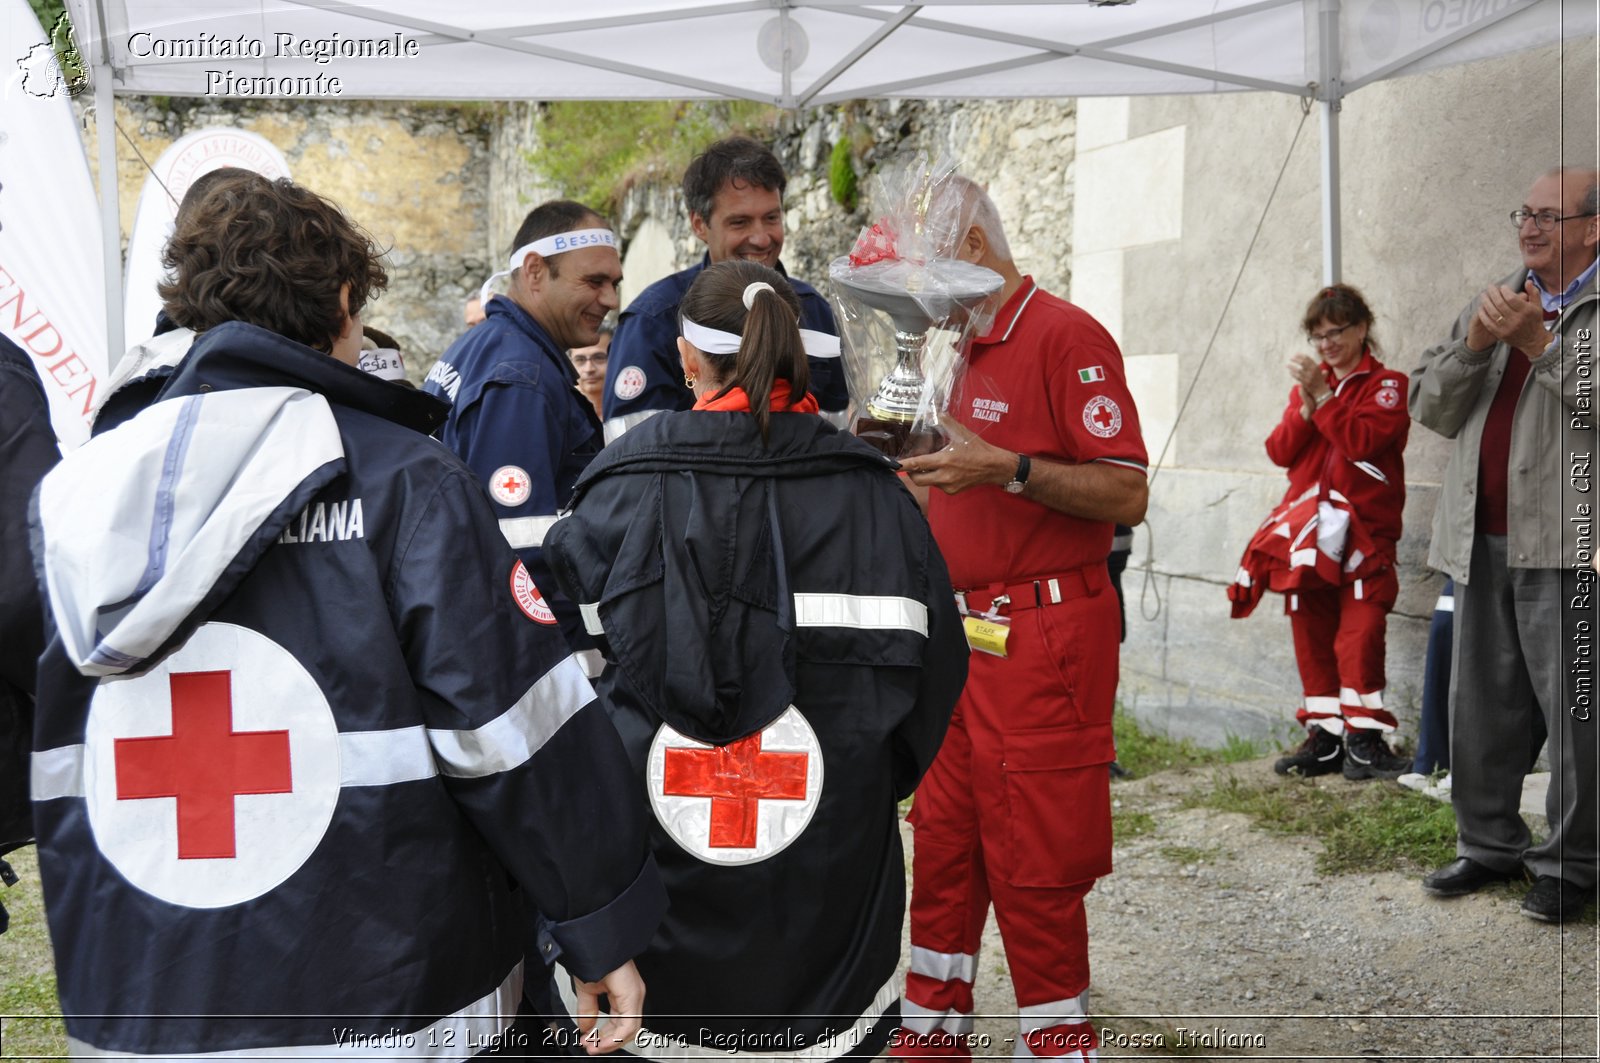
x=1307 y=372
x=1510 y=317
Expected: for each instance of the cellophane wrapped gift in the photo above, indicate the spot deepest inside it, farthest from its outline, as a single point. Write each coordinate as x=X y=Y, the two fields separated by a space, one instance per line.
x=906 y=304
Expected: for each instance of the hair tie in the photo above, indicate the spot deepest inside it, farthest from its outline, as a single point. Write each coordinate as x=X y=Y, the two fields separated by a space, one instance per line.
x=750 y=291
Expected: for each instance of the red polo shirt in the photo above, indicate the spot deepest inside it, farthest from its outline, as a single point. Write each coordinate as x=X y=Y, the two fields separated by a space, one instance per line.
x=1046 y=381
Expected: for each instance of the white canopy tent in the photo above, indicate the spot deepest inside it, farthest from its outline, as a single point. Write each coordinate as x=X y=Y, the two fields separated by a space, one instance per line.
x=792 y=53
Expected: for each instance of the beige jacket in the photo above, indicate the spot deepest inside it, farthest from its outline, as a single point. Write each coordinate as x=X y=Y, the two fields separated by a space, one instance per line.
x=1551 y=492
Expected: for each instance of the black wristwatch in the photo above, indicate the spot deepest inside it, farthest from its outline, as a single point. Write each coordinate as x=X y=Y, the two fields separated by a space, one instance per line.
x=1019 y=479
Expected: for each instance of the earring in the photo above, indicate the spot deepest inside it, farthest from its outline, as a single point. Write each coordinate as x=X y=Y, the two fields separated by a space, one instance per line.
x=688 y=381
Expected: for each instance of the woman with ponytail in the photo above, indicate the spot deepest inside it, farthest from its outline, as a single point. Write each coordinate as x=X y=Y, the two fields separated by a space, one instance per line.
x=782 y=656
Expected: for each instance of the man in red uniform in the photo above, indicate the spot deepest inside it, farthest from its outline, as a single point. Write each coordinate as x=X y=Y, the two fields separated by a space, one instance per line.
x=1017 y=807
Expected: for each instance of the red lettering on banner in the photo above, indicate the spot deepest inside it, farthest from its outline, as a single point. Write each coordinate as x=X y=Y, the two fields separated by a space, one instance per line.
x=33 y=347
x=736 y=777
x=67 y=379
x=204 y=763
x=14 y=294
x=71 y=373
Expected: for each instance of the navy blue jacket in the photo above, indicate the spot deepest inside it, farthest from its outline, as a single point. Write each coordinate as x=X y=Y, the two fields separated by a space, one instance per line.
x=738 y=587
x=646 y=342
x=27 y=450
x=371 y=638
x=520 y=424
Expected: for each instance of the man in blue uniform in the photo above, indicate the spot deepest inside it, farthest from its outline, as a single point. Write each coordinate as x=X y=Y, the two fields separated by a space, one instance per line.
x=516 y=416
x=734 y=192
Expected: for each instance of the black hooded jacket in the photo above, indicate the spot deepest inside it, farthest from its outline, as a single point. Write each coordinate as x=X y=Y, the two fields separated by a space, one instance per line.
x=727 y=581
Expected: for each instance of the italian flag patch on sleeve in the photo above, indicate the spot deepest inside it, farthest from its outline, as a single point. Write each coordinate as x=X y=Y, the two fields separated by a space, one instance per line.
x=1092 y=374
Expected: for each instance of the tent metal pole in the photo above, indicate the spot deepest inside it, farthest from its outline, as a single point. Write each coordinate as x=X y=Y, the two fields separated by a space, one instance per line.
x=1330 y=91
x=105 y=123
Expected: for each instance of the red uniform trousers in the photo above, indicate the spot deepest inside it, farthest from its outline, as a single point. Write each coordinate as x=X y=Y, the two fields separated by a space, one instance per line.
x=1017 y=810
x=1339 y=646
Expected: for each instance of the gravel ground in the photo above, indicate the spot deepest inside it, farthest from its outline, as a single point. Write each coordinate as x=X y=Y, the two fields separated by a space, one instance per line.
x=1249 y=951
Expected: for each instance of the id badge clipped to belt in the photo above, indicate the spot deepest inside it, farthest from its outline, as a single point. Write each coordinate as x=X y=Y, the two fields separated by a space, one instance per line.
x=987 y=630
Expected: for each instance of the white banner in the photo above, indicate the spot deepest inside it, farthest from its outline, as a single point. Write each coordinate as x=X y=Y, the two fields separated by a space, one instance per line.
x=197 y=153
x=52 y=278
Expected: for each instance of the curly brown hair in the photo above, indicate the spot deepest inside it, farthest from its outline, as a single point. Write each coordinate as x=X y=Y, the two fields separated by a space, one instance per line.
x=269 y=253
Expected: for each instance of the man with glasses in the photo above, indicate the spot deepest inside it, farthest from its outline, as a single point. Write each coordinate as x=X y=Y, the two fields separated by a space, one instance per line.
x=590 y=362
x=1513 y=386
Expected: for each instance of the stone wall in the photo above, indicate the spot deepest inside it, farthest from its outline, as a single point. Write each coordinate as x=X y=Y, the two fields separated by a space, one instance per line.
x=1022 y=149
x=417 y=176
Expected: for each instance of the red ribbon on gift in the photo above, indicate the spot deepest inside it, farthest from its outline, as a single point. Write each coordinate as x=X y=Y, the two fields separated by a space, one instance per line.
x=874 y=245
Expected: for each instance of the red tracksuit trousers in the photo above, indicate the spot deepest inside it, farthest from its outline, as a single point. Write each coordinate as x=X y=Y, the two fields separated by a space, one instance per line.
x=1339 y=646
x=1016 y=810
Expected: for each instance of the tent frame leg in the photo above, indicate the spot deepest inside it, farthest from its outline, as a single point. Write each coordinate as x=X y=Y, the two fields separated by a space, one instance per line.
x=105 y=121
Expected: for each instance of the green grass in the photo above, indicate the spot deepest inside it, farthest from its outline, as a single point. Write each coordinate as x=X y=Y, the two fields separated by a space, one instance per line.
x=1142 y=752
x=30 y=1024
x=1377 y=828
x=1127 y=823
x=1188 y=854
x=31 y=1018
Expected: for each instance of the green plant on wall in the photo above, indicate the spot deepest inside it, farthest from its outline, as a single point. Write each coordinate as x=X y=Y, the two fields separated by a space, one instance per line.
x=47 y=12
x=842 y=184
x=594 y=151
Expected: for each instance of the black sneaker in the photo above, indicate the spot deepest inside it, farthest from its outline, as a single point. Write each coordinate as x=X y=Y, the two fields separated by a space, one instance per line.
x=1320 y=754
x=1368 y=756
x=1555 y=900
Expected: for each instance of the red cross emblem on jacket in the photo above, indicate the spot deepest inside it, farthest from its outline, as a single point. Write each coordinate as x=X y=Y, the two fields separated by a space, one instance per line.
x=204 y=763
x=742 y=801
x=736 y=777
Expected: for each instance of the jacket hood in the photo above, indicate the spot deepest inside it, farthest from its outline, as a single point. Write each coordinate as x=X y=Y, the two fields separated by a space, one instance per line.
x=237 y=355
x=139 y=533
x=701 y=570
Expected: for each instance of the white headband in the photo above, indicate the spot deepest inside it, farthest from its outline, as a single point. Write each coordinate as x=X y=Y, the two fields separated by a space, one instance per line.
x=384 y=362
x=547 y=246
x=715 y=341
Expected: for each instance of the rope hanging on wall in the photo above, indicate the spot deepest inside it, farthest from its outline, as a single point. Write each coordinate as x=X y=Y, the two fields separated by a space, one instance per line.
x=1149 y=590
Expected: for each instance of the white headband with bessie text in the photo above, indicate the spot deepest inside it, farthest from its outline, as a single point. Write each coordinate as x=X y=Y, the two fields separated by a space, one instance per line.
x=547 y=246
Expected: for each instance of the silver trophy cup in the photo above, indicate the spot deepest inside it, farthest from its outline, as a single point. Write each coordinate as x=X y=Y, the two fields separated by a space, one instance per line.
x=901 y=418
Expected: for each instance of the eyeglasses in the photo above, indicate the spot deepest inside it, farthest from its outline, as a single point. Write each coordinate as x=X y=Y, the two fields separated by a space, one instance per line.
x=1331 y=336
x=1545 y=219
x=581 y=360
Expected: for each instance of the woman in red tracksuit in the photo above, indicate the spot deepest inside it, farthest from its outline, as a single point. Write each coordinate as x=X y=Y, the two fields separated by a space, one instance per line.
x=1343 y=436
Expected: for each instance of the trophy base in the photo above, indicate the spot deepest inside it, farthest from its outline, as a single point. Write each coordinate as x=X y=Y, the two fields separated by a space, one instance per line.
x=899 y=439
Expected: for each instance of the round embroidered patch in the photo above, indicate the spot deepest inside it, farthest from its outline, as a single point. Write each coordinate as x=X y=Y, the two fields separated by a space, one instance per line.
x=529 y=600
x=510 y=485
x=629 y=383
x=742 y=802
x=1388 y=397
x=1102 y=416
x=212 y=778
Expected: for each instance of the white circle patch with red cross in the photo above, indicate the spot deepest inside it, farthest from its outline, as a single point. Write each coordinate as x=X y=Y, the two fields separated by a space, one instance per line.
x=742 y=802
x=1102 y=416
x=1388 y=397
x=529 y=600
x=510 y=485
x=629 y=383
x=211 y=778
